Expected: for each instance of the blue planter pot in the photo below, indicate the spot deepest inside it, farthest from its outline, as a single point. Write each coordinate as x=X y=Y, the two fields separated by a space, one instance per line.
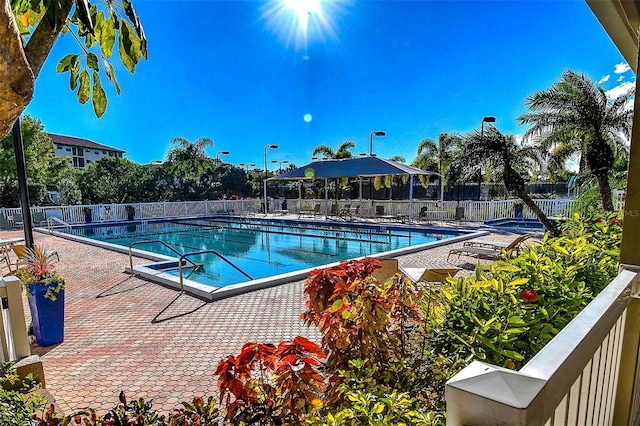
x=47 y=315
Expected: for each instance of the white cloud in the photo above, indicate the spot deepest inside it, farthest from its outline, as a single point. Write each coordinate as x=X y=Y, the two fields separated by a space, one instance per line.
x=604 y=79
x=620 y=89
x=621 y=78
x=621 y=67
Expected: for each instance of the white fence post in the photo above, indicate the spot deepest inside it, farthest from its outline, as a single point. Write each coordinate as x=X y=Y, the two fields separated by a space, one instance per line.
x=572 y=380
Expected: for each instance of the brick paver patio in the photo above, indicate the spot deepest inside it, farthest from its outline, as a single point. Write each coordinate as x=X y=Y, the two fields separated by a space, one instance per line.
x=111 y=343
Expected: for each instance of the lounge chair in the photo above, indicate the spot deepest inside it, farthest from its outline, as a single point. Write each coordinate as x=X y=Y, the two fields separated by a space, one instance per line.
x=314 y=212
x=345 y=211
x=489 y=252
x=498 y=245
x=381 y=216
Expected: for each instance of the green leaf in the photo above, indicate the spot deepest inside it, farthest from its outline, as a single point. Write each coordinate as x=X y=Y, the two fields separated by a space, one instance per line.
x=518 y=281
x=99 y=96
x=112 y=76
x=92 y=61
x=513 y=355
x=516 y=321
x=84 y=90
x=124 y=56
x=73 y=75
x=108 y=37
x=337 y=305
x=378 y=408
x=65 y=63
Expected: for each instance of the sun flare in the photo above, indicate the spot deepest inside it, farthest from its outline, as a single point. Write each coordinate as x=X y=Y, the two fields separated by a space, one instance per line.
x=301 y=20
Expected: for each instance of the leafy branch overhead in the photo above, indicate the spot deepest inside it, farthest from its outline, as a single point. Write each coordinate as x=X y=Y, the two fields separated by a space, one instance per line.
x=34 y=27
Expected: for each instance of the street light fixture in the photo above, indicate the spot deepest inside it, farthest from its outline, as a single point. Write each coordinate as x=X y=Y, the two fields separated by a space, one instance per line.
x=280 y=163
x=266 y=207
x=247 y=165
x=379 y=133
x=219 y=154
x=488 y=119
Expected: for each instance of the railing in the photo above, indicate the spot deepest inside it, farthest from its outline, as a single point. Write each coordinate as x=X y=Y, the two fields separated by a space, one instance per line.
x=102 y=213
x=14 y=343
x=586 y=375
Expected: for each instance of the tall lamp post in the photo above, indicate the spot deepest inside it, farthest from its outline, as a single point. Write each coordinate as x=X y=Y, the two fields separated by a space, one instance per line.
x=488 y=119
x=247 y=165
x=218 y=154
x=280 y=163
x=379 y=133
x=266 y=207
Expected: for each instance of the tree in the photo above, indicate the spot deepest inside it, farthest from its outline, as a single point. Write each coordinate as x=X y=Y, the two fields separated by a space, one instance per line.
x=343 y=151
x=507 y=158
x=43 y=168
x=189 y=165
x=28 y=31
x=576 y=112
x=438 y=156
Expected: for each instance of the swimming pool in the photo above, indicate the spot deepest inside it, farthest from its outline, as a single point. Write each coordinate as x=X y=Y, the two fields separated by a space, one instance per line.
x=513 y=224
x=261 y=248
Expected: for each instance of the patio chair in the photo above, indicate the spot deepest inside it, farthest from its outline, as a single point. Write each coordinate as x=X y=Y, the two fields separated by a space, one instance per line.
x=487 y=252
x=381 y=216
x=345 y=211
x=314 y=212
x=17 y=220
x=39 y=219
x=389 y=267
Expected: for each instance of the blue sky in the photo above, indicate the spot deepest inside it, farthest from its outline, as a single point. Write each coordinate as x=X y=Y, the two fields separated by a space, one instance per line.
x=232 y=72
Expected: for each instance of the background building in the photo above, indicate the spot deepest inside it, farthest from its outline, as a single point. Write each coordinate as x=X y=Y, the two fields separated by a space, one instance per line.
x=82 y=151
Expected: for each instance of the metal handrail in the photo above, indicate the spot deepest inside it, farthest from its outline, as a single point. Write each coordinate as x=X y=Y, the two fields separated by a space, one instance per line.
x=184 y=256
x=51 y=220
x=195 y=265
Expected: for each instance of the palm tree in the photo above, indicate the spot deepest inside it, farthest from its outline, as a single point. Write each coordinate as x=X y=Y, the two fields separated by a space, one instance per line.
x=437 y=156
x=188 y=163
x=576 y=111
x=343 y=150
x=506 y=158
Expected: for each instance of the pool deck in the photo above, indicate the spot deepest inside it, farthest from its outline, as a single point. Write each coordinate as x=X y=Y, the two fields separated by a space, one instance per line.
x=112 y=342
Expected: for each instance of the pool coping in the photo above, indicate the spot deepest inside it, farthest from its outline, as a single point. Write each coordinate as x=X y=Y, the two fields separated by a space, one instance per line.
x=210 y=293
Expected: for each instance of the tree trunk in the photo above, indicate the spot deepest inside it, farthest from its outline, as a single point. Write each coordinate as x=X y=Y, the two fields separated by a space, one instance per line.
x=16 y=79
x=19 y=67
x=539 y=213
x=605 y=191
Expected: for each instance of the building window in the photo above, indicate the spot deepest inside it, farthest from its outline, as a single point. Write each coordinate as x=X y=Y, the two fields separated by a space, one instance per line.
x=104 y=152
x=111 y=153
x=78 y=157
x=68 y=148
x=58 y=146
x=97 y=152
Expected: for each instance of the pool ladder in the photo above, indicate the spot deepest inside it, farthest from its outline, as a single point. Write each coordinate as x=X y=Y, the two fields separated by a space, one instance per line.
x=184 y=258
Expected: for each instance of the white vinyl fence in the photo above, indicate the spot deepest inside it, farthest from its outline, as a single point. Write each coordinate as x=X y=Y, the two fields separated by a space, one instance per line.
x=467 y=210
x=586 y=375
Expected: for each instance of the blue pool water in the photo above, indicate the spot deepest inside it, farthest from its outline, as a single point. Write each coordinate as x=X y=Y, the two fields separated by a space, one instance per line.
x=524 y=224
x=260 y=248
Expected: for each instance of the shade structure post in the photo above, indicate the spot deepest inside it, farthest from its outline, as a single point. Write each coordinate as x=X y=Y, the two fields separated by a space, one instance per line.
x=360 y=192
x=441 y=192
x=23 y=188
x=326 y=198
x=410 y=199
